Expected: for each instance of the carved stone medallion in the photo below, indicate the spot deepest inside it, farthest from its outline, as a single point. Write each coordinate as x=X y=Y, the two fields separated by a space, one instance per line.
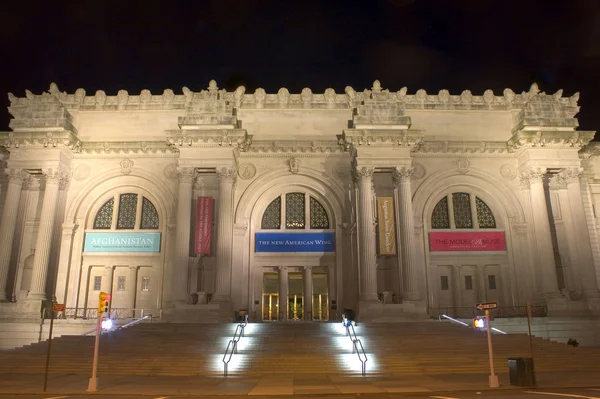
x=463 y=166
x=508 y=172
x=81 y=172
x=418 y=171
x=247 y=171
x=170 y=171
x=126 y=166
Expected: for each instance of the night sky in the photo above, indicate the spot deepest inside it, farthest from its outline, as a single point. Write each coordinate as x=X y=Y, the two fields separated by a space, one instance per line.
x=453 y=44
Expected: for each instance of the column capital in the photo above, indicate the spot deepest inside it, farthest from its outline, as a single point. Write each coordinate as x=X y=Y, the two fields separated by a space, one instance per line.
x=186 y=175
x=557 y=182
x=532 y=175
x=53 y=175
x=64 y=182
x=308 y=268
x=226 y=175
x=17 y=176
x=402 y=174
x=364 y=172
x=570 y=175
x=282 y=268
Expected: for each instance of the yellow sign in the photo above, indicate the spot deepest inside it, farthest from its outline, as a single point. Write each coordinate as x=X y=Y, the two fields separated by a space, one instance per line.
x=387 y=227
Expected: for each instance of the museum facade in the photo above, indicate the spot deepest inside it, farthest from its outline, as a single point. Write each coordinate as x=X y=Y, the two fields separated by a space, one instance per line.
x=297 y=206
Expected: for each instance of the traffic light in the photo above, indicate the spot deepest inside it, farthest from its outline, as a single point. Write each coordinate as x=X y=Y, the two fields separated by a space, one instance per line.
x=479 y=323
x=103 y=303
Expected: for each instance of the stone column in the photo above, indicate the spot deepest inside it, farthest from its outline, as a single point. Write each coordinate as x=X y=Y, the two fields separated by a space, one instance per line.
x=283 y=293
x=481 y=283
x=308 y=290
x=543 y=240
x=44 y=237
x=9 y=219
x=179 y=293
x=224 y=234
x=366 y=240
x=406 y=229
x=585 y=257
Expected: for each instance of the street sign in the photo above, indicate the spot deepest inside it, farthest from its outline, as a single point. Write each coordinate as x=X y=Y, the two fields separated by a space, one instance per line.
x=58 y=307
x=488 y=305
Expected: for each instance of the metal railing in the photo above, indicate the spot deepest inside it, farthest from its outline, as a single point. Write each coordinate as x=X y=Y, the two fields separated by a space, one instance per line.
x=131 y=323
x=500 y=312
x=357 y=346
x=114 y=313
x=232 y=344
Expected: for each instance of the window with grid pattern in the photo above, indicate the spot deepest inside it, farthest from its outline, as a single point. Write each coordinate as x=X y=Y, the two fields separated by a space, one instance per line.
x=295 y=213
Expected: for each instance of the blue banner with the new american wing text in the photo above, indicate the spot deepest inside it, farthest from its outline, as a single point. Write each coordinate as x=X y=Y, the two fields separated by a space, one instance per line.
x=295 y=242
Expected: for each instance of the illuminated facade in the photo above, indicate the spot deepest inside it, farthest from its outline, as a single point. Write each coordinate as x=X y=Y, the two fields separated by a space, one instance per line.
x=390 y=203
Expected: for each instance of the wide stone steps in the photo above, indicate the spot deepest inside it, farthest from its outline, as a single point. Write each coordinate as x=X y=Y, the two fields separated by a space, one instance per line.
x=293 y=348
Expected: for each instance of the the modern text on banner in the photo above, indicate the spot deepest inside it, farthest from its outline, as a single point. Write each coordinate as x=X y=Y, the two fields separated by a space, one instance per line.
x=467 y=241
x=204 y=214
x=295 y=242
x=122 y=242
x=387 y=226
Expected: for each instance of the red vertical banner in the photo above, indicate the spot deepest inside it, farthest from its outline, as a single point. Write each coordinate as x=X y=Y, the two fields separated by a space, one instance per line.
x=204 y=213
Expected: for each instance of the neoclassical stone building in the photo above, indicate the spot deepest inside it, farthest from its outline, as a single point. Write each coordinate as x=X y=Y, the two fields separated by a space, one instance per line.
x=297 y=206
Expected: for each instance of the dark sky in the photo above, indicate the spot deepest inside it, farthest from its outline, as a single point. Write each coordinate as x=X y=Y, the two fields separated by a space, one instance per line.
x=430 y=44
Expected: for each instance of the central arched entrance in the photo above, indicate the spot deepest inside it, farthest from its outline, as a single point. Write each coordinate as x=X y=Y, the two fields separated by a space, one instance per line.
x=293 y=241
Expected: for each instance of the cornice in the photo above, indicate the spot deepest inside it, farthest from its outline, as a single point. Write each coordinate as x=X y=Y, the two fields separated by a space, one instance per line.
x=118 y=148
x=57 y=138
x=329 y=99
x=549 y=139
x=209 y=138
x=353 y=138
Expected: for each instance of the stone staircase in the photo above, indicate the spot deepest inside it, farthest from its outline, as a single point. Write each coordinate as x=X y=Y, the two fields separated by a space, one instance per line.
x=190 y=349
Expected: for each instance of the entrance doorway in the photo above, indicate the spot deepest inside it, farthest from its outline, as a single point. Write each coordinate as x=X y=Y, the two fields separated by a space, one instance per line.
x=295 y=296
x=320 y=297
x=270 y=308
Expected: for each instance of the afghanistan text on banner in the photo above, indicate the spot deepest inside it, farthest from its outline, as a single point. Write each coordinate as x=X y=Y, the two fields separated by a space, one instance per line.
x=387 y=226
x=467 y=241
x=204 y=214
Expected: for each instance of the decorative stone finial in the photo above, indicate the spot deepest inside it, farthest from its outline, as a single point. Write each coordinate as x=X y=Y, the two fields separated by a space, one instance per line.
x=212 y=86
x=53 y=88
x=376 y=86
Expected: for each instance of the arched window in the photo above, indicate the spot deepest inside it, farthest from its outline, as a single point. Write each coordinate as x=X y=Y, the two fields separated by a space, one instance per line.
x=463 y=206
x=295 y=213
x=131 y=214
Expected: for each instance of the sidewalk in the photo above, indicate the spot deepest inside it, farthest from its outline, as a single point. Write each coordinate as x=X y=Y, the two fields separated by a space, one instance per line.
x=281 y=384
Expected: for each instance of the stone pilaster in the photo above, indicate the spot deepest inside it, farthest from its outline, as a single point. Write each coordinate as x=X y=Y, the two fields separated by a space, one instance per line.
x=9 y=219
x=308 y=290
x=366 y=240
x=44 y=238
x=283 y=293
x=179 y=291
x=224 y=234
x=456 y=286
x=406 y=229
x=62 y=277
x=585 y=257
x=546 y=266
x=132 y=286
x=107 y=279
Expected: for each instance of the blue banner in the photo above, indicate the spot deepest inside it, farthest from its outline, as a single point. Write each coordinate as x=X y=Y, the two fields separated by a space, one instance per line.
x=295 y=242
x=122 y=242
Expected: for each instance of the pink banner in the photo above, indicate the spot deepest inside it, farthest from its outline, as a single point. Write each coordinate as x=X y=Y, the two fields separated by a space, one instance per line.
x=467 y=241
x=204 y=213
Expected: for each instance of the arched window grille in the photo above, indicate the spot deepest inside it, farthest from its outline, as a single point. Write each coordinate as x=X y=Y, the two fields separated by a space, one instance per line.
x=129 y=210
x=463 y=206
x=104 y=217
x=295 y=213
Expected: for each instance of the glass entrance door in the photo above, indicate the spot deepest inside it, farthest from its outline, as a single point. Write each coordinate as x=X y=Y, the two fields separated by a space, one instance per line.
x=320 y=297
x=295 y=296
x=270 y=304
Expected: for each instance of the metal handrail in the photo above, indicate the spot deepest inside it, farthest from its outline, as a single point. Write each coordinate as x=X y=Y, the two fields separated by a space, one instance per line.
x=133 y=322
x=232 y=344
x=499 y=312
x=362 y=356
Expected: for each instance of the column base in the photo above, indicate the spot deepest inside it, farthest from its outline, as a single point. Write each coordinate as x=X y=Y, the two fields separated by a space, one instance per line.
x=369 y=298
x=411 y=297
x=36 y=296
x=200 y=313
